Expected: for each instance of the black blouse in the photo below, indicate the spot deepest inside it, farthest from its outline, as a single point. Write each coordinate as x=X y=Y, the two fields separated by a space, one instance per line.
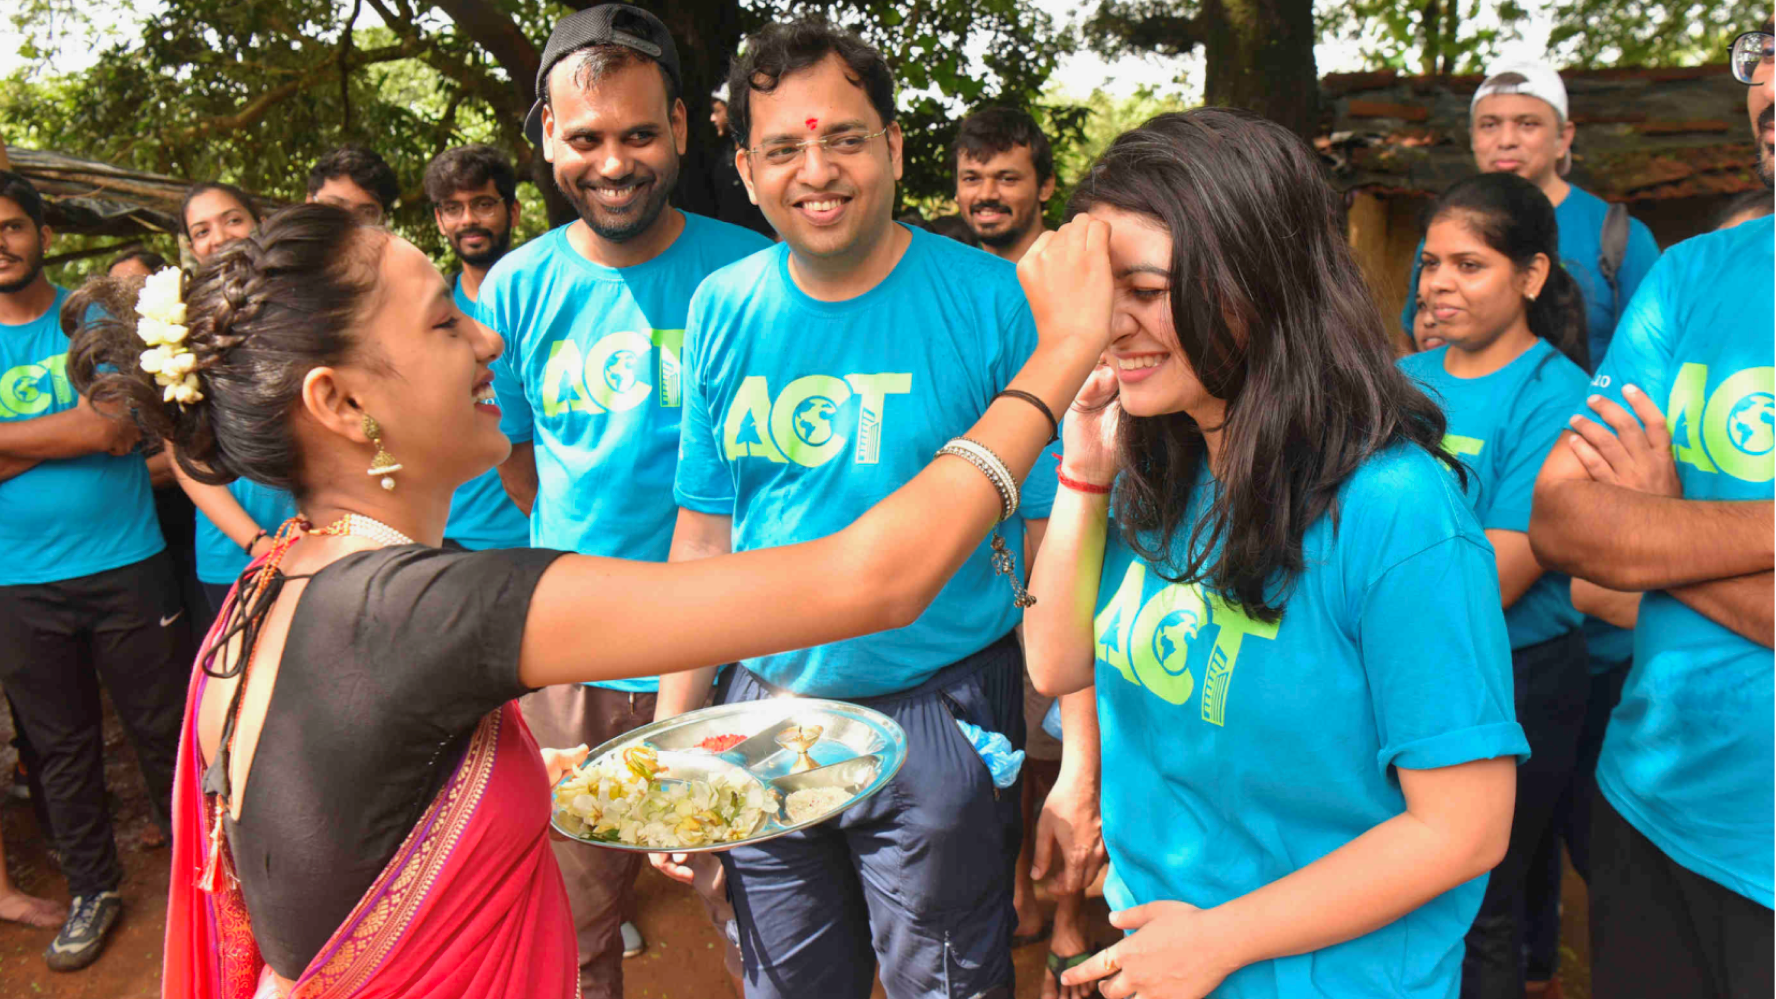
x=392 y=659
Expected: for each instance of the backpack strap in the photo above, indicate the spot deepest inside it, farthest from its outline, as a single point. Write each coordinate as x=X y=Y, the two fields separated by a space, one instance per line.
x=1612 y=246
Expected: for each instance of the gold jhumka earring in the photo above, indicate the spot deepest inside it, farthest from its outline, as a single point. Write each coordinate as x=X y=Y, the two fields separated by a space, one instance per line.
x=384 y=464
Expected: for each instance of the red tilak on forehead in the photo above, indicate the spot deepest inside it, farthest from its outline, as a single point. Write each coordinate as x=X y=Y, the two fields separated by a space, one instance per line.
x=813 y=123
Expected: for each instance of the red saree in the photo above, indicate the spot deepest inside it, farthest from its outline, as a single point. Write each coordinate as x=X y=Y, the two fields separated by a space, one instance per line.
x=471 y=905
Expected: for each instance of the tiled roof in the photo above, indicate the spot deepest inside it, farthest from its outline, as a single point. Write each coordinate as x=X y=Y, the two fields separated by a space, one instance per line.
x=1642 y=133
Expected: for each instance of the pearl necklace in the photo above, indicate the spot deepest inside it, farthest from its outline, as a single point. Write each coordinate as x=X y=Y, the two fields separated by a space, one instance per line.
x=356 y=524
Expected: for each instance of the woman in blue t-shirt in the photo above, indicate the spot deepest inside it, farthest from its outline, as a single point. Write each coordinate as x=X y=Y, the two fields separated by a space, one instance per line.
x=234 y=522
x=1263 y=559
x=1511 y=372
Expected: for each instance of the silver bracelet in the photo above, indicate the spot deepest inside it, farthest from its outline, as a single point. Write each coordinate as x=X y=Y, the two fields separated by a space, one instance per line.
x=994 y=468
x=989 y=464
x=985 y=467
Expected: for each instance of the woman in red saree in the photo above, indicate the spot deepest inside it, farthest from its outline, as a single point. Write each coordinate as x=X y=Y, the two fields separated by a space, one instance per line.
x=392 y=840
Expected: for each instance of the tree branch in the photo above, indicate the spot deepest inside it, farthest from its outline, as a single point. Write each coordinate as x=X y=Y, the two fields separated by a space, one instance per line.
x=257 y=108
x=1144 y=26
x=91 y=251
x=496 y=32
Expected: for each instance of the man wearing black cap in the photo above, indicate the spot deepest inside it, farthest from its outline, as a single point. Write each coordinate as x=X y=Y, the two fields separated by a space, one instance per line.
x=593 y=314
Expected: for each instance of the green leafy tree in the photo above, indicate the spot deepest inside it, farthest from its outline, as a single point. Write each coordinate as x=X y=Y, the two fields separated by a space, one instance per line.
x=1600 y=33
x=1430 y=37
x=253 y=91
x=1105 y=117
x=1257 y=54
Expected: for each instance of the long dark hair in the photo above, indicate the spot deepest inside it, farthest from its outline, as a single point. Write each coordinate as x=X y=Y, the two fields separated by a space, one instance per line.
x=1515 y=218
x=191 y=193
x=1275 y=319
x=261 y=311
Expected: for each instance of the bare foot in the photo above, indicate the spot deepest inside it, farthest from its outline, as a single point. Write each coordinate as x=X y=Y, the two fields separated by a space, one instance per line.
x=1069 y=939
x=1030 y=925
x=18 y=907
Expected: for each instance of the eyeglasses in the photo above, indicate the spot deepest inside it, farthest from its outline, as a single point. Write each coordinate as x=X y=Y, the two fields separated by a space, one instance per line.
x=483 y=207
x=783 y=154
x=1748 y=52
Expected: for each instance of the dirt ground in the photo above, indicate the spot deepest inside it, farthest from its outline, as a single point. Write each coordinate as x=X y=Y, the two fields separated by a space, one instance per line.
x=683 y=959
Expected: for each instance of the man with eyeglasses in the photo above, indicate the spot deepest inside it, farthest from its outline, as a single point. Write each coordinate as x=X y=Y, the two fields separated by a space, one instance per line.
x=593 y=315
x=474 y=195
x=1663 y=488
x=819 y=378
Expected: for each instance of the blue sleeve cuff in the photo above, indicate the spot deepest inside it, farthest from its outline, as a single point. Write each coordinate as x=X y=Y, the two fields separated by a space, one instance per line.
x=712 y=505
x=1506 y=518
x=1482 y=742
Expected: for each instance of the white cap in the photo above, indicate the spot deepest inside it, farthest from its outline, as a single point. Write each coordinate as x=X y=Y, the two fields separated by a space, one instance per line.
x=1526 y=77
x=721 y=93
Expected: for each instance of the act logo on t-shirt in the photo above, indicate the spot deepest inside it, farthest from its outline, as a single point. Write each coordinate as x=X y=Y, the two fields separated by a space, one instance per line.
x=1733 y=431
x=811 y=421
x=30 y=389
x=1459 y=445
x=608 y=376
x=1163 y=642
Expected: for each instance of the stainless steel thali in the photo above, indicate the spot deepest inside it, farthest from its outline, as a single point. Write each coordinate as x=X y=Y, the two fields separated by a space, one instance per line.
x=857 y=751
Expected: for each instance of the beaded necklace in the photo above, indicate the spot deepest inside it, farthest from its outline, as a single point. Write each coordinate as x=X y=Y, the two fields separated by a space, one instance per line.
x=246 y=618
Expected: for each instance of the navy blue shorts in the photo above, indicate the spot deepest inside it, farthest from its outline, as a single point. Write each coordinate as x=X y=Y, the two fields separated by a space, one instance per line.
x=918 y=878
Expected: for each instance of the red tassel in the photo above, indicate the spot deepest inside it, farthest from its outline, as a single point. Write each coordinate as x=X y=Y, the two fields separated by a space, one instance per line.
x=210 y=881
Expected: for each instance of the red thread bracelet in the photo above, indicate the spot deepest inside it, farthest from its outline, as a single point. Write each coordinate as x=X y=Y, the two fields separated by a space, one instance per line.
x=1078 y=486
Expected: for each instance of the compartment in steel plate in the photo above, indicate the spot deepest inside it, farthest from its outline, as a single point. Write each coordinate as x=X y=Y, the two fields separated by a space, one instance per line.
x=857 y=751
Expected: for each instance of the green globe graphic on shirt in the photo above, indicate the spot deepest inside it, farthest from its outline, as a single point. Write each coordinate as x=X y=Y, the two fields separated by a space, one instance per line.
x=619 y=371
x=1173 y=635
x=1751 y=423
x=813 y=420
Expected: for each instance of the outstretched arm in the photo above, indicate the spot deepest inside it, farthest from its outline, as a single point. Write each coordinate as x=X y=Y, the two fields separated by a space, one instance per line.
x=695 y=536
x=879 y=573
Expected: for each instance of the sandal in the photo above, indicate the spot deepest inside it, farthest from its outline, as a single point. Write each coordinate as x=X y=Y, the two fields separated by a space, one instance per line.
x=1058 y=965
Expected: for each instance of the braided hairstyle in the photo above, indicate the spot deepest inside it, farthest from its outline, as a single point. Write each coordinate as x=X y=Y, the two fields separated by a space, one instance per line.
x=262 y=312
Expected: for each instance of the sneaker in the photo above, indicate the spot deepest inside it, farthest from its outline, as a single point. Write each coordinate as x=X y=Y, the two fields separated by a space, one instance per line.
x=633 y=944
x=90 y=917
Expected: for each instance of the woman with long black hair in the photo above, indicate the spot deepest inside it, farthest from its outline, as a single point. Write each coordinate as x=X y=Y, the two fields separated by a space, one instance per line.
x=1263 y=558
x=1511 y=372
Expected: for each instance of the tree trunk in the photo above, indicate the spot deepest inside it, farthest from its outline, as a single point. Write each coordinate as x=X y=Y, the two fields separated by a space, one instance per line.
x=1260 y=56
x=707 y=33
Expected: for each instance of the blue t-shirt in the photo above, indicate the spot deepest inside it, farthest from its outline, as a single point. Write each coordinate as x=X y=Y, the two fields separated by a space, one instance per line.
x=68 y=517
x=220 y=560
x=482 y=515
x=1579 y=217
x=801 y=414
x=1237 y=752
x=1502 y=426
x=1687 y=756
x=591 y=376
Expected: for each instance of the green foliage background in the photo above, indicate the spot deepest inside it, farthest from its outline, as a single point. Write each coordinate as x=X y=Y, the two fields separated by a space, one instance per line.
x=252 y=91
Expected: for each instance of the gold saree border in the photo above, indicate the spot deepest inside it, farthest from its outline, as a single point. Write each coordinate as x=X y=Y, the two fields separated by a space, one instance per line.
x=390 y=905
